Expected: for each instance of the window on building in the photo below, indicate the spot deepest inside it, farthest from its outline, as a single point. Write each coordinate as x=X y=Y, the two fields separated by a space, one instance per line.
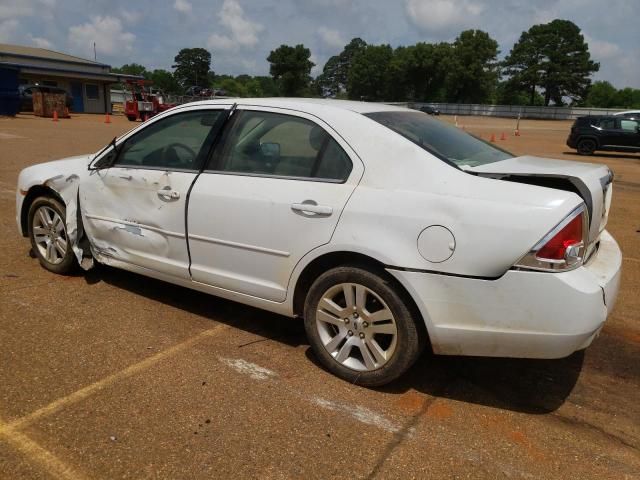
x=50 y=83
x=92 y=91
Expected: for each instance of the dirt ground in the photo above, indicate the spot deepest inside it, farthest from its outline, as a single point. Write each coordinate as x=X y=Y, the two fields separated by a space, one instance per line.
x=111 y=375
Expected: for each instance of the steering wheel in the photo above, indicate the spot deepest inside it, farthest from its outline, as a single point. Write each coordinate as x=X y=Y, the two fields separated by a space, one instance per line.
x=171 y=159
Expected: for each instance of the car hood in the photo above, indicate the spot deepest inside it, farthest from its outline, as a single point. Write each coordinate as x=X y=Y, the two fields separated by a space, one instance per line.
x=590 y=180
x=51 y=171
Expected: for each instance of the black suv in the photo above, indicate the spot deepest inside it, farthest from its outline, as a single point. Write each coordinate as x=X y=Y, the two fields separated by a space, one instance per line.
x=612 y=133
x=430 y=110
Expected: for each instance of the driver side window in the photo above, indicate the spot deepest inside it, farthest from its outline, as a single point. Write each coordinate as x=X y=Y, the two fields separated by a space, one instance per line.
x=178 y=142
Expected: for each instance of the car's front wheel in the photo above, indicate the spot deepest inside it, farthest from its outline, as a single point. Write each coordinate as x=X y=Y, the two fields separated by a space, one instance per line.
x=48 y=235
x=586 y=146
x=360 y=326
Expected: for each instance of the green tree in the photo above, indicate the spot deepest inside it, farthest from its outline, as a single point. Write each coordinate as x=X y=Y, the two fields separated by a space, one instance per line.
x=420 y=70
x=370 y=75
x=165 y=81
x=192 y=67
x=509 y=94
x=132 y=69
x=335 y=74
x=290 y=68
x=472 y=69
x=233 y=87
x=553 y=57
x=601 y=94
x=627 y=98
x=268 y=86
x=327 y=82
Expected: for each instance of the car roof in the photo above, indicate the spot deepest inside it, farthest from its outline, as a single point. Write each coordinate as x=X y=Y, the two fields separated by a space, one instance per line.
x=309 y=105
x=627 y=112
x=591 y=117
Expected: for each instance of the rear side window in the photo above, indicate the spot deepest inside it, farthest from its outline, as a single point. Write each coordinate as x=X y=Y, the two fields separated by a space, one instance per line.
x=273 y=144
x=441 y=140
x=629 y=125
x=607 y=123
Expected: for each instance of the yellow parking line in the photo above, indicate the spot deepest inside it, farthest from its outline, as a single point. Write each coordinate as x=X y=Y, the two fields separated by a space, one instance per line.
x=51 y=464
x=105 y=382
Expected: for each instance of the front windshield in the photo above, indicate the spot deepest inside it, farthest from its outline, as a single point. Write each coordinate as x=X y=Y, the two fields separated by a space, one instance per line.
x=442 y=140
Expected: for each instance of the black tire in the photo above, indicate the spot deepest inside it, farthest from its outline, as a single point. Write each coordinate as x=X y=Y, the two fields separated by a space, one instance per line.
x=587 y=146
x=409 y=338
x=132 y=118
x=66 y=262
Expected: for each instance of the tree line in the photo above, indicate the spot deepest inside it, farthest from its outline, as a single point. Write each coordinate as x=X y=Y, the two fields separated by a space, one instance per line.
x=549 y=64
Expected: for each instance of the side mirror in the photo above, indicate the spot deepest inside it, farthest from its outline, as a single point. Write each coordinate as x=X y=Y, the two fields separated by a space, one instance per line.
x=270 y=150
x=105 y=162
x=109 y=158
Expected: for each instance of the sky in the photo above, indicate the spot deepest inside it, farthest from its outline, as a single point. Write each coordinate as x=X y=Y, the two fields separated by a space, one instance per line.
x=241 y=33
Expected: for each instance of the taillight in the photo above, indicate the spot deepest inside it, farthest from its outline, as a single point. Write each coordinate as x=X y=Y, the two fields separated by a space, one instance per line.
x=562 y=248
x=569 y=236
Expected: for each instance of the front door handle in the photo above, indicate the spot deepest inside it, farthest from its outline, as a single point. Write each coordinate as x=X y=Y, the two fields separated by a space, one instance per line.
x=166 y=193
x=309 y=207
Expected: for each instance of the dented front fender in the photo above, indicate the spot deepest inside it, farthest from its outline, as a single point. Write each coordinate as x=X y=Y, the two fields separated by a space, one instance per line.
x=62 y=177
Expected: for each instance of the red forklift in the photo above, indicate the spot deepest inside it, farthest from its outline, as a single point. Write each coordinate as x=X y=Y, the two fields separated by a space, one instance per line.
x=145 y=102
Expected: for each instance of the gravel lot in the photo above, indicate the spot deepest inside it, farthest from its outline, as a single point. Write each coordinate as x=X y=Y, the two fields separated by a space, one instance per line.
x=111 y=375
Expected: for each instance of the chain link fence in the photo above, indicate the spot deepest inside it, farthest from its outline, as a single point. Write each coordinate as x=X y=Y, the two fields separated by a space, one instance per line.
x=513 y=111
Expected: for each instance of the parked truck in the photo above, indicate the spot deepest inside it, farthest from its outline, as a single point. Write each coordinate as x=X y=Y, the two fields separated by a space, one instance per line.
x=145 y=102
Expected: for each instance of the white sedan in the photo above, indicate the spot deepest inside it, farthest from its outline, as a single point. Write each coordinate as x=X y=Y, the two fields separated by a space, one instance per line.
x=385 y=229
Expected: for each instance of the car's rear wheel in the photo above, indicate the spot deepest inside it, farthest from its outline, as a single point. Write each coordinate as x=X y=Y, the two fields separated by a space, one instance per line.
x=360 y=326
x=587 y=146
x=48 y=235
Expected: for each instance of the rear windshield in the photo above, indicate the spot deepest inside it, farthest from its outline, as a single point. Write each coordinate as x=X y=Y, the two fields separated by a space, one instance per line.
x=442 y=140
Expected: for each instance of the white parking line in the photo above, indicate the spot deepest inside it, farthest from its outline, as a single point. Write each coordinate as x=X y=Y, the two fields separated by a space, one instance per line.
x=359 y=413
x=247 y=368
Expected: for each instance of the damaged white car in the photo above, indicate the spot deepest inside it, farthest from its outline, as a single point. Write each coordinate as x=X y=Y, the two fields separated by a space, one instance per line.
x=386 y=230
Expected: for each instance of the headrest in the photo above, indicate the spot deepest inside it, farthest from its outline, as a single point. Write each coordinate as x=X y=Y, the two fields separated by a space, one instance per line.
x=316 y=137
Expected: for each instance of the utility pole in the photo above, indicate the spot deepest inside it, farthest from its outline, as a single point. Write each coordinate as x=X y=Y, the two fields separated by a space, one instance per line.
x=95 y=57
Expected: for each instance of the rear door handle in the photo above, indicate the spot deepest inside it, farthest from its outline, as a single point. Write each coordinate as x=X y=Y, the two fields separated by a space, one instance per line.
x=312 y=208
x=167 y=193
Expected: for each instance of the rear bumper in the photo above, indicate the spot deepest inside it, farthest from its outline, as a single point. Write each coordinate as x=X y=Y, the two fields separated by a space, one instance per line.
x=522 y=314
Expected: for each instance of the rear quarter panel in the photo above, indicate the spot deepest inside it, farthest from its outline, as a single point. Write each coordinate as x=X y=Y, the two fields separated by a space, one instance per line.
x=405 y=189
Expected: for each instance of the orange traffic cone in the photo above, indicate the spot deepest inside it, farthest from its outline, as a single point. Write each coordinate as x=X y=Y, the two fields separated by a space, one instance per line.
x=503 y=136
x=493 y=137
x=107 y=118
x=55 y=115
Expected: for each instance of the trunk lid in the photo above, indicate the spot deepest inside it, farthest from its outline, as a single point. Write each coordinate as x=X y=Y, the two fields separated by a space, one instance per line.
x=592 y=182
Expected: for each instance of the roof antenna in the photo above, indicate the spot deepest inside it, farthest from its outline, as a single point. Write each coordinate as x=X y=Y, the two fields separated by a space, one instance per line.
x=95 y=57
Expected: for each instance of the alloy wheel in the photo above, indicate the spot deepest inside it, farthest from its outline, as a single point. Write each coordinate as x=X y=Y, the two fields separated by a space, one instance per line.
x=49 y=234
x=356 y=327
